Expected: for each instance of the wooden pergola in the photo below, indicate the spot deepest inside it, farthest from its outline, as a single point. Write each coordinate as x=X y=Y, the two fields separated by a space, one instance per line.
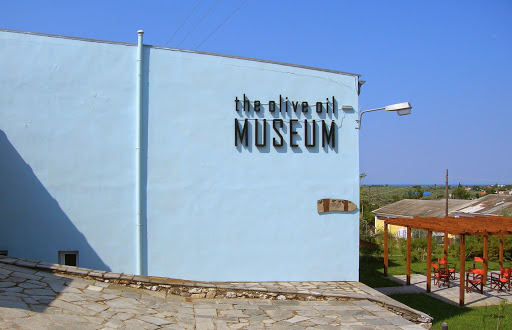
x=462 y=226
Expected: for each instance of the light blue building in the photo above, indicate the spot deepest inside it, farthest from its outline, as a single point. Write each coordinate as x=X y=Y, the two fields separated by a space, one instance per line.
x=168 y=162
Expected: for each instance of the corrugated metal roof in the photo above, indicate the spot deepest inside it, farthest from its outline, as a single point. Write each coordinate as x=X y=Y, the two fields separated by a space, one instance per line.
x=421 y=208
x=489 y=205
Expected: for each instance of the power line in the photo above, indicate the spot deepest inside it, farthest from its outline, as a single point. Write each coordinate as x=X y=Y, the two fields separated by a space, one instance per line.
x=218 y=27
x=186 y=19
x=209 y=10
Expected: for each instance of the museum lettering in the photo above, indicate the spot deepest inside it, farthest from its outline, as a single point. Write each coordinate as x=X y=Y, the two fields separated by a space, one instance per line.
x=285 y=131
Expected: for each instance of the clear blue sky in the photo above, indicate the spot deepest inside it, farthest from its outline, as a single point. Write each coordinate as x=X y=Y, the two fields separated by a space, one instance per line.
x=451 y=60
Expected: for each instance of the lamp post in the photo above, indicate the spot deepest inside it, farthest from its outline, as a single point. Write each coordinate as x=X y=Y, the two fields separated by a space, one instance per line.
x=401 y=109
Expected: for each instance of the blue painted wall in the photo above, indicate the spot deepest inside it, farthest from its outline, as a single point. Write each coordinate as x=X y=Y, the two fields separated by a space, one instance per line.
x=214 y=211
x=66 y=146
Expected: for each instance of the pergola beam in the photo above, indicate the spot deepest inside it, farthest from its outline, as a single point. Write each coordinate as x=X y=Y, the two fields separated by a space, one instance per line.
x=454 y=228
x=475 y=226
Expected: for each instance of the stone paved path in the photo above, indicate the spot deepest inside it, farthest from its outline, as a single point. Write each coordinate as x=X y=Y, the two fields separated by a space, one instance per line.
x=33 y=299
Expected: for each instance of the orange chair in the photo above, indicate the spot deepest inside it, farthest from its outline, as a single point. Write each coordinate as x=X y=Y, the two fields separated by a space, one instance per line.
x=448 y=266
x=476 y=281
x=435 y=271
x=502 y=279
x=479 y=260
x=441 y=275
x=477 y=273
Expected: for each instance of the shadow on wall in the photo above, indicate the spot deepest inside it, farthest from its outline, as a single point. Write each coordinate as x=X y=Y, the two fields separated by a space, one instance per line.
x=33 y=226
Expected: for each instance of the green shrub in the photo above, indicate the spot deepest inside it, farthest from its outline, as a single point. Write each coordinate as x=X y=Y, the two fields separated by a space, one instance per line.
x=475 y=248
x=419 y=249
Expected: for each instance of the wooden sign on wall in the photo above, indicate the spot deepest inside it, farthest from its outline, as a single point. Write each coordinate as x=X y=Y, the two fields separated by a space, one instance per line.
x=339 y=205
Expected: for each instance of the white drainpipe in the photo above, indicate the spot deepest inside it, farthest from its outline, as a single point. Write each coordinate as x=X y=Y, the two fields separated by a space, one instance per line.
x=138 y=161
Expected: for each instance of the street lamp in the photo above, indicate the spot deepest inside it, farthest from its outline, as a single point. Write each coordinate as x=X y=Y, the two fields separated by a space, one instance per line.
x=401 y=109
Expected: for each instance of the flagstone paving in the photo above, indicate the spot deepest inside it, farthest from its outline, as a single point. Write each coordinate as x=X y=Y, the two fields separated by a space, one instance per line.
x=35 y=299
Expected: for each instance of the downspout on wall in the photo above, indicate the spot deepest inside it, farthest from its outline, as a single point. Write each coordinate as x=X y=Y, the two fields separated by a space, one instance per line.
x=139 y=160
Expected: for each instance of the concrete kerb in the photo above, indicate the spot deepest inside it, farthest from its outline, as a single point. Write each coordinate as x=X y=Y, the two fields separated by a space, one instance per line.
x=218 y=290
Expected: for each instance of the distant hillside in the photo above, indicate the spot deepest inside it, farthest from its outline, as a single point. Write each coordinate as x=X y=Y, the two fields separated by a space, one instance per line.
x=383 y=195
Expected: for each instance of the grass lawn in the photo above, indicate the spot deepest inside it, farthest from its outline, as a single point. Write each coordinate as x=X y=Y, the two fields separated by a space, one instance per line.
x=372 y=273
x=459 y=317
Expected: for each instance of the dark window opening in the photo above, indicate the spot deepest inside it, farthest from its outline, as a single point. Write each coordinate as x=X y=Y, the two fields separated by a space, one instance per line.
x=68 y=258
x=3 y=253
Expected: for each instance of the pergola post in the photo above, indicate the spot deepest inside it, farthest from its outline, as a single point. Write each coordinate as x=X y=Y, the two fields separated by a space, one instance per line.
x=462 y=268
x=501 y=251
x=408 y=255
x=446 y=246
x=486 y=257
x=429 y=258
x=385 y=249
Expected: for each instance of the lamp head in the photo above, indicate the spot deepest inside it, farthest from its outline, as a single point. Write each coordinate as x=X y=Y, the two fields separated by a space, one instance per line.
x=401 y=109
x=404 y=112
